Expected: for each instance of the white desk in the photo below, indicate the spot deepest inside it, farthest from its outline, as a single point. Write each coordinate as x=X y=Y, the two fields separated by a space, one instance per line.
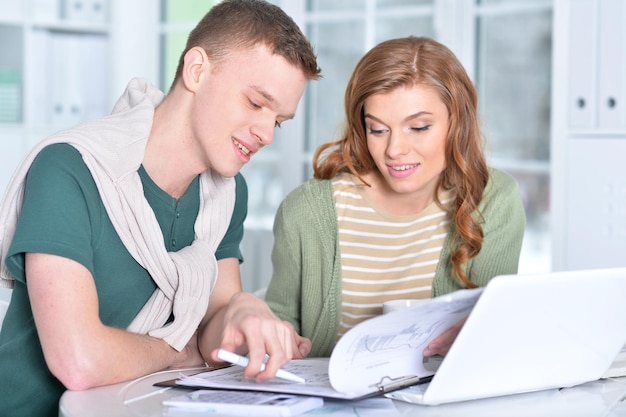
x=604 y=398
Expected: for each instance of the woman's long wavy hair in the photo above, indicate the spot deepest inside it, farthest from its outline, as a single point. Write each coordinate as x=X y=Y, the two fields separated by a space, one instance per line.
x=406 y=62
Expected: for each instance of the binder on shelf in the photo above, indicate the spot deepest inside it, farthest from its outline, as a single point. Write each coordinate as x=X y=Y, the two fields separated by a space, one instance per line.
x=94 y=75
x=45 y=10
x=581 y=87
x=68 y=76
x=38 y=72
x=12 y=9
x=84 y=10
x=97 y=11
x=67 y=105
x=10 y=95
x=612 y=65
x=78 y=78
x=73 y=10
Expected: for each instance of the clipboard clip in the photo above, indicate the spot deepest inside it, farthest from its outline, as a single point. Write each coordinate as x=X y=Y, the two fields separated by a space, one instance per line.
x=388 y=384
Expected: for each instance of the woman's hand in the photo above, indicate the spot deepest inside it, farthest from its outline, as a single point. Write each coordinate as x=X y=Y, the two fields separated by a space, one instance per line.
x=441 y=344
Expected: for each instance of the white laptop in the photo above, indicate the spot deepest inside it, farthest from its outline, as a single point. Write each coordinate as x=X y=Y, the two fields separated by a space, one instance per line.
x=532 y=332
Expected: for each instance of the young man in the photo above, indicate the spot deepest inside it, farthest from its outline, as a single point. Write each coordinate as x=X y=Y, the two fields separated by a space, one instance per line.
x=121 y=236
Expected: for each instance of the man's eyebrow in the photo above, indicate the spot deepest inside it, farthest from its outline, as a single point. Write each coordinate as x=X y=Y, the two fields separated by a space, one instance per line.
x=270 y=98
x=264 y=93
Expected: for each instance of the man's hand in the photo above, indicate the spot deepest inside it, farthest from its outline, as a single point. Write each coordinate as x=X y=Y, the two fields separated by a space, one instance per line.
x=241 y=323
x=250 y=323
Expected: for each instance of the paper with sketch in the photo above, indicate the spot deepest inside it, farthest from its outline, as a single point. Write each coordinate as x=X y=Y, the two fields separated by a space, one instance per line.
x=390 y=346
x=372 y=353
x=314 y=370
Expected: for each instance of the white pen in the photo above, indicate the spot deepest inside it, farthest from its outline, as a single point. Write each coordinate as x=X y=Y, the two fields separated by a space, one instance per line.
x=243 y=361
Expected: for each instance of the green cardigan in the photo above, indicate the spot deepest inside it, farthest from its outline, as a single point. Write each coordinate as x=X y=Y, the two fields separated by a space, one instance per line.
x=306 y=284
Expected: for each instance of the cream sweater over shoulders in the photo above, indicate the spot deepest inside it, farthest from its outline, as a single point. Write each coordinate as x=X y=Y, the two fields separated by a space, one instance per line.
x=113 y=149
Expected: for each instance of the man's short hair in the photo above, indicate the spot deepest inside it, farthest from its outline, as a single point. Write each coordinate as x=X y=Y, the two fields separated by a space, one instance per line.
x=242 y=24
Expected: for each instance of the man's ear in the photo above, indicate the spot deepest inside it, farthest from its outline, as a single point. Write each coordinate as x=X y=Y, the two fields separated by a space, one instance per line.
x=196 y=62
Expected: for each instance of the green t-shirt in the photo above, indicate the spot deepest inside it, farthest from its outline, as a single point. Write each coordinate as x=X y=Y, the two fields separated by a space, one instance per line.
x=63 y=215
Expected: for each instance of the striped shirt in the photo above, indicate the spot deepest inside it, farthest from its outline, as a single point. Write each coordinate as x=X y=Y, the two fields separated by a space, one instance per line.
x=383 y=256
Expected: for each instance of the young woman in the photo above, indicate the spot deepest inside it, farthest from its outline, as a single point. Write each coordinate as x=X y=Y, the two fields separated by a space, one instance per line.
x=402 y=206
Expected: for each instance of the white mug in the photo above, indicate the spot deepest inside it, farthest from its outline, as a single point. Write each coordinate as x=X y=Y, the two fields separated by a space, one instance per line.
x=395 y=305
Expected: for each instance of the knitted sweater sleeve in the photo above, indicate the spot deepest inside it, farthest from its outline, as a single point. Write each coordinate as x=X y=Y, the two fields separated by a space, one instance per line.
x=285 y=288
x=305 y=288
x=502 y=216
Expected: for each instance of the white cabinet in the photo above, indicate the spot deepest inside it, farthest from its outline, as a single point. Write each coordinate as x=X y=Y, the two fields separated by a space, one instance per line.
x=588 y=189
x=597 y=68
x=53 y=71
x=595 y=216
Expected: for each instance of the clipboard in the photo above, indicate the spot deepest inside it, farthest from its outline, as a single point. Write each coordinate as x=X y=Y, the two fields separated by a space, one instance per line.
x=315 y=370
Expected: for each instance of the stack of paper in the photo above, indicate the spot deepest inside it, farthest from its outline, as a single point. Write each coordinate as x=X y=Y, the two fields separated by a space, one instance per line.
x=240 y=403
